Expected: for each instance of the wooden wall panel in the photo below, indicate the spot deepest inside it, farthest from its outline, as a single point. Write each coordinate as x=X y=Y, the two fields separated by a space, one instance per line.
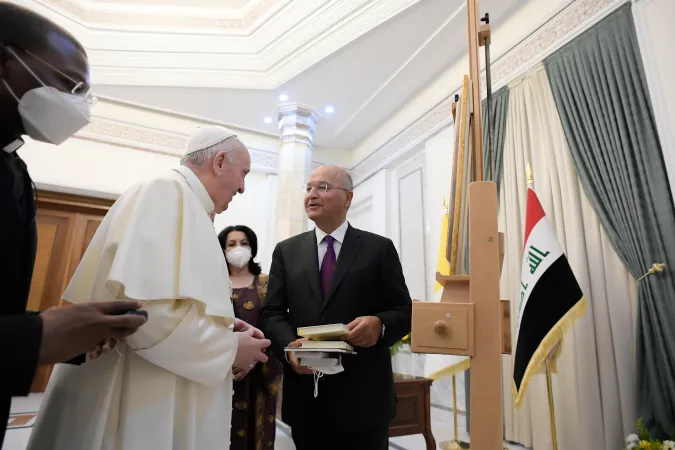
x=66 y=225
x=89 y=231
x=52 y=255
x=83 y=232
x=46 y=238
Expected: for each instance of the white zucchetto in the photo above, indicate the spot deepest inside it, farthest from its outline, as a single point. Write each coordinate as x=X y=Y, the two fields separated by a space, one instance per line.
x=205 y=137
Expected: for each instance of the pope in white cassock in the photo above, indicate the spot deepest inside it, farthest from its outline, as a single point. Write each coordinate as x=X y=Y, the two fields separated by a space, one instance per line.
x=169 y=386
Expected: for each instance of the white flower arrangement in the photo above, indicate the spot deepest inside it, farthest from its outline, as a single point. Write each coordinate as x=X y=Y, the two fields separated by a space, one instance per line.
x=643 y=441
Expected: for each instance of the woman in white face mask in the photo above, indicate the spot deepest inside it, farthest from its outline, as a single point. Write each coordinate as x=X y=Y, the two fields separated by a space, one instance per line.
x=254 y=402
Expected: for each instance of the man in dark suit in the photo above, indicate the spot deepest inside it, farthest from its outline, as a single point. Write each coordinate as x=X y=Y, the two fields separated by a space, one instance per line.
x=43 y=72
x=337 y=274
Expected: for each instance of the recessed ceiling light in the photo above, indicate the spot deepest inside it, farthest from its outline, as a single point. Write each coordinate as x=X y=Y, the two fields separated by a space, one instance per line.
x=268 y=120
x=283 y=97
x=329 y=109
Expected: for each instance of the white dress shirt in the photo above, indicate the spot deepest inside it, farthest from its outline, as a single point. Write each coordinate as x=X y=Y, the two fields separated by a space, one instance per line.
x=338 y=235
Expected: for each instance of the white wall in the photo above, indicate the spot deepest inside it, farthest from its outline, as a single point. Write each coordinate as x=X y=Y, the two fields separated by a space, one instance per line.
x=533 y=32
x=412 y=192
x=414 y=206
x=413 y=221
x=656 y=34
x=92 y=167
x=409 y=187
x=104 y=170
x=438 y=153
x=405 y=203
x=255 y=208
x=126 y=144
x=504 y=36
x=369 y=206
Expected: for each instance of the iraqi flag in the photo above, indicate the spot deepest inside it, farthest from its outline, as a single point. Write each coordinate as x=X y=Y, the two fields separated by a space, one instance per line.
x=550 y=298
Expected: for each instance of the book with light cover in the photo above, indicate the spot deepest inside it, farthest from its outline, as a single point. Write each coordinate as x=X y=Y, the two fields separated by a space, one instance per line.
x=324 y=332
x=327 y=345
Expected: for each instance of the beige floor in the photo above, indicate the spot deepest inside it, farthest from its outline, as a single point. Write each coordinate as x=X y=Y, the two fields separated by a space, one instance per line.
x=17 y=438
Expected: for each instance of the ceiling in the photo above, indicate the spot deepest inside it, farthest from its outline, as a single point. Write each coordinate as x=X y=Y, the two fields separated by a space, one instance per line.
x=230 y=60
x=224 y=4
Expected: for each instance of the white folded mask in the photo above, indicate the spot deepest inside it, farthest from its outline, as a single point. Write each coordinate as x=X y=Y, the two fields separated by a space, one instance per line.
x=324 y=366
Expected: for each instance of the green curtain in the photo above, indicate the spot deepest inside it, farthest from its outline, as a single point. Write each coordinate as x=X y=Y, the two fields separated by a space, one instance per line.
x=500 y=105
x=601 y=95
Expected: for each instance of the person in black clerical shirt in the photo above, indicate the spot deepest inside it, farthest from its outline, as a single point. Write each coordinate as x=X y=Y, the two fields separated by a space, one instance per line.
x=44 y=83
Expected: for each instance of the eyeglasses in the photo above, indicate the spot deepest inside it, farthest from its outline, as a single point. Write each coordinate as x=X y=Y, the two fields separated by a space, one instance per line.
x=80 y=89
x=321 y=188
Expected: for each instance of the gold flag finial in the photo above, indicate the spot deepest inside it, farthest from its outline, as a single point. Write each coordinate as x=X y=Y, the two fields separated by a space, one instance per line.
x=528 y=174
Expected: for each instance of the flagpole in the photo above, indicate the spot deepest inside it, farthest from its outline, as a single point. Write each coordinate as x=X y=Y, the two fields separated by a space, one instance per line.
x=454 y=444
x=551 y=408
x=549 y=382
x=454 y=411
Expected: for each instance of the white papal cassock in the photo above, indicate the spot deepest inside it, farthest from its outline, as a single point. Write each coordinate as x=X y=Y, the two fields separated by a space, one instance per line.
x=170 y=386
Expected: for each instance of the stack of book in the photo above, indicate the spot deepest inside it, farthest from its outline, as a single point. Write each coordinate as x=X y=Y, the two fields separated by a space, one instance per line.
x=323 y=339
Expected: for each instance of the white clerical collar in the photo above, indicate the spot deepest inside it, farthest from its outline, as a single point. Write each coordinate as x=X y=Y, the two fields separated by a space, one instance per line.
x=338 y=234
x=197 y=187
x=13 y=146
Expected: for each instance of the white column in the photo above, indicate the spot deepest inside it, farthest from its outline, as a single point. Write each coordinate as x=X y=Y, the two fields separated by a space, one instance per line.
x=266 y=245
x=297 y=123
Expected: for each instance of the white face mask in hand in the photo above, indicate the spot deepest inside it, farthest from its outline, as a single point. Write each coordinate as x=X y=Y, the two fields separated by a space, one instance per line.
x=238 y=256
x=49 y=115
x=325 y=366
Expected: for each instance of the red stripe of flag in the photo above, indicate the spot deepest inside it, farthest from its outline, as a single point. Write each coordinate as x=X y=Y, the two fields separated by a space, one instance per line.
x=534 y=213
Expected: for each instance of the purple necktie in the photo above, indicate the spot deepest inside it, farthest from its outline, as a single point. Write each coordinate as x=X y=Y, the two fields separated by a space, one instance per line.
x=328 y=264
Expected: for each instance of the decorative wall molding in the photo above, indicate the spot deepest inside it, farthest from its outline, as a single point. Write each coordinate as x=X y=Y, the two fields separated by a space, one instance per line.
x=405 y=142
x=136 y=137
x=518 y=61
x=111 y=131
x=117 y=131
x=95 y=13
x=413 y=256
x=46 y=187
x=363 y=204
x=263 y=161
x=566 y=25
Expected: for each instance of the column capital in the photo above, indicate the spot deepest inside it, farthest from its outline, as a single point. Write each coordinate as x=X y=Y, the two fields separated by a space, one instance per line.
x=297 y=122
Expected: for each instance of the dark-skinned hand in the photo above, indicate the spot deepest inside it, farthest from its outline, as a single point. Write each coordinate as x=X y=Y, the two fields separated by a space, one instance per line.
x=76 y=329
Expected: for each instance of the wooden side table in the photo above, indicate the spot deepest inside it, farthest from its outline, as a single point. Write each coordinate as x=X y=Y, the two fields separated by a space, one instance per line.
x=413 y=411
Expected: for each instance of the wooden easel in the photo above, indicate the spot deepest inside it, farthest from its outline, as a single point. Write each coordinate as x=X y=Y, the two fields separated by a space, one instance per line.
x=470 y=319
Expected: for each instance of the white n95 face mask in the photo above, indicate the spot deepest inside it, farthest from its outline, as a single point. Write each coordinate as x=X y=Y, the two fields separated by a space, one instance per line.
x=238 y=256
x=52 y=116
x=49 y=115
x=325 y=366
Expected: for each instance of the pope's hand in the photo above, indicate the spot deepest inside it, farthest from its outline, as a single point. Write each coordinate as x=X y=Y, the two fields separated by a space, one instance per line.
x=250 y=349
x=241 y=326
x=295 y=364
x=103 y=347
x=364 y=331
x=239 y=374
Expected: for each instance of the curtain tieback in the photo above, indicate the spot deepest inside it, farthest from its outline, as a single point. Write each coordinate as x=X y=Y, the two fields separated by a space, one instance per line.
x=658 y=267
